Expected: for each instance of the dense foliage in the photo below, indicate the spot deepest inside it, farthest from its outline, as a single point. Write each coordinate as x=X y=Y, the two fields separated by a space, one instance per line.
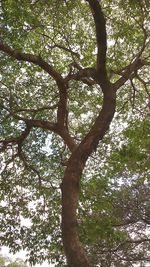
x=114 y=205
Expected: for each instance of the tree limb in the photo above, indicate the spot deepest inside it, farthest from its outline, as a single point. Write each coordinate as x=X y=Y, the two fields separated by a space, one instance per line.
x=101 y=36
x=86 y=75
x=62 y=112
x=37 y=60
x=16 y=140
x=128 y=72
x=34 y=110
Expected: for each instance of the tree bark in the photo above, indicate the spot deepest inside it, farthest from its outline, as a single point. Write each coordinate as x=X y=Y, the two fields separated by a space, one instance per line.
x=75 y=253
x=76 y=256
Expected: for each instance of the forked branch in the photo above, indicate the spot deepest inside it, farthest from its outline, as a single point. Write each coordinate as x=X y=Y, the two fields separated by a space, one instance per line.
x=128 y=72
x=60 y=127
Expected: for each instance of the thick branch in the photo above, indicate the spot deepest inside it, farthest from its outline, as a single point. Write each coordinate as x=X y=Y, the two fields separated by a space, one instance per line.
x=43 y=124
x=37 y=60
x=86 y=75
x=101 y=36
x=55 y=127
x=46 y=125
x=101 y=125
x=69 y=141
x=62 y=112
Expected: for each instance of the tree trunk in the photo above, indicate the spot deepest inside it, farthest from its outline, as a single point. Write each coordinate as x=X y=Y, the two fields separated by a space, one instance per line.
x=75 y=253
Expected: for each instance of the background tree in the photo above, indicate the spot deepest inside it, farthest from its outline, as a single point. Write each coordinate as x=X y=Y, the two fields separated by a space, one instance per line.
x=62 y=63
x=7 y=262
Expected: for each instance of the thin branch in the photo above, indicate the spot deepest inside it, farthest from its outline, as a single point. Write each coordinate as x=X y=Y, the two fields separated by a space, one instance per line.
x=129 y=241
x=144 y=83
x=16 y=140
x=64 y=48
x=9 y=162
x=69 y=50
x=28 y=166
x=56 y=45
x=36 y=110
x=128 y=72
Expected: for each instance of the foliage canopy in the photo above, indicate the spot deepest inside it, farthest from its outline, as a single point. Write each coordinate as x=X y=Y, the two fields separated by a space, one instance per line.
x=61 y=64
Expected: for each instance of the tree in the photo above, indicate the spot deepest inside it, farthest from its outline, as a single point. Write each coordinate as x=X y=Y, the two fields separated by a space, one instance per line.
x=6 y=262
x=64 y=66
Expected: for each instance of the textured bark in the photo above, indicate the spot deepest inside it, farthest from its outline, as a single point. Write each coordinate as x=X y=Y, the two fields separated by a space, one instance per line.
x=76 y=255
